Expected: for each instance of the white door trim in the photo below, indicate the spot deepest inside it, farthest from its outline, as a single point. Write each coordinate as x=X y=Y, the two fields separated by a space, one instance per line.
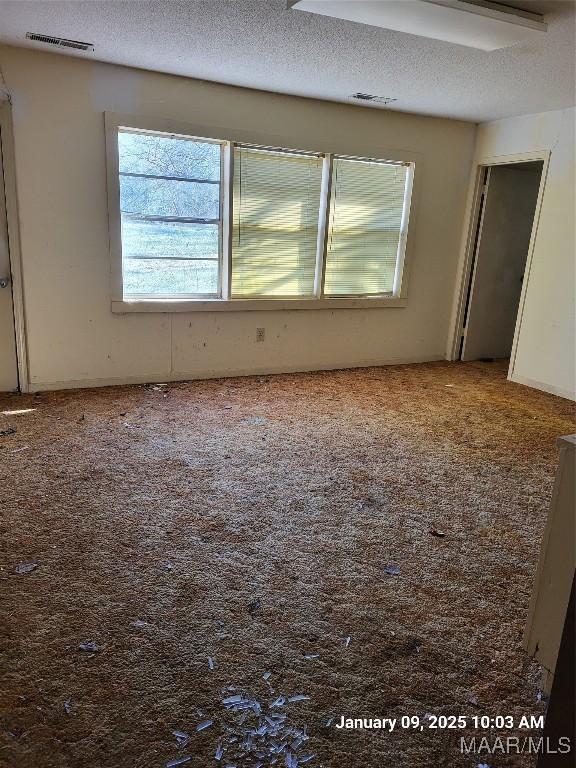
x=467 y=253
x=9 y=170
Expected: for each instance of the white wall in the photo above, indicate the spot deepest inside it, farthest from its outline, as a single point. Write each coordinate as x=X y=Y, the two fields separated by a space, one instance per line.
x=74 y=338
x=545 y=353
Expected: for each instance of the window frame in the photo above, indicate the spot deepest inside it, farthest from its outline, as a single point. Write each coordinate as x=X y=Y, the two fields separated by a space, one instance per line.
x=300 y=153
x=221 y=209
x=223 y=301
x=404 y=223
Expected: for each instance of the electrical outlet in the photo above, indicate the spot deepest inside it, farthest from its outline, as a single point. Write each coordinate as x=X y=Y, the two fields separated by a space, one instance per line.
x=260 y=334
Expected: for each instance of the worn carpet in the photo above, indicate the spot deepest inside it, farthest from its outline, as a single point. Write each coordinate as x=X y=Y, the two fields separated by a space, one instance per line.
x=204 y=534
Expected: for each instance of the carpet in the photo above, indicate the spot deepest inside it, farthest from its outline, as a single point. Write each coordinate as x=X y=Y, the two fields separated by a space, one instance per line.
x=362 y=540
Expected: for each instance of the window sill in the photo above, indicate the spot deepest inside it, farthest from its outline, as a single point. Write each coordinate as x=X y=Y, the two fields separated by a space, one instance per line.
x=243 y=305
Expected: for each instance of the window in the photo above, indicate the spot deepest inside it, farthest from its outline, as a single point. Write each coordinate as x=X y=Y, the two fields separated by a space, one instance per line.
x=200 y=223
x=275 y=232
x=365 y=227
x=170 y=215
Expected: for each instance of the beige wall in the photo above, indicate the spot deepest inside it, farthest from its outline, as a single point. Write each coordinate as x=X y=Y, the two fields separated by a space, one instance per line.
x=74 y=338
x=545 y=353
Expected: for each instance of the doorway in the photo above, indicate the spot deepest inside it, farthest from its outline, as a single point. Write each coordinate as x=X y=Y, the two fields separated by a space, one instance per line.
x=502 y=234
x=9 y=380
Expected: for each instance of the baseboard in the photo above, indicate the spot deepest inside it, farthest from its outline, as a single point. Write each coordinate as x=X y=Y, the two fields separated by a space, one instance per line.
x=550 y=388
x=48 y=386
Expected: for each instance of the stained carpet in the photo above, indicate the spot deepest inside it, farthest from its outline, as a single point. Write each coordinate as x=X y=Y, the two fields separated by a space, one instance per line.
x=203 y=534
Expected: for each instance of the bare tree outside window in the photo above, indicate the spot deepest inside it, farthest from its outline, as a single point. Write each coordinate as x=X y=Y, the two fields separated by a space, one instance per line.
x=170 y=208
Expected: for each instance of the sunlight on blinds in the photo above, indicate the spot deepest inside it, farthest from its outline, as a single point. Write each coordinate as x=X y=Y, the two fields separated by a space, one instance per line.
x=366 y=205
x=276 y=204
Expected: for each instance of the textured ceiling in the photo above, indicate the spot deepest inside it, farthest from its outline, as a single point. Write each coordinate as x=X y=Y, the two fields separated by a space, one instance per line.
x=261 y=44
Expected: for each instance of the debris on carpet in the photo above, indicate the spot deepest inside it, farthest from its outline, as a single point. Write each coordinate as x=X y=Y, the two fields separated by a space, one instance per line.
x=26 y=567
x=89 y=646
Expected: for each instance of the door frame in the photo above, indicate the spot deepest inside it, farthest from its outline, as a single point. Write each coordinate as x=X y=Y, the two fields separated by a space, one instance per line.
x=8 y=168
x=467 y=257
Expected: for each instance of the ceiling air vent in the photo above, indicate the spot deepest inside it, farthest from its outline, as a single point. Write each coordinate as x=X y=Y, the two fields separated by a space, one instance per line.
x=373 y=99
x=61 y=42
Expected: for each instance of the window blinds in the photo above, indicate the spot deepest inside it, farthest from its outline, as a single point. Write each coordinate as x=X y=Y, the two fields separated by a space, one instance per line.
x=364 y=228
x=276 y=201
